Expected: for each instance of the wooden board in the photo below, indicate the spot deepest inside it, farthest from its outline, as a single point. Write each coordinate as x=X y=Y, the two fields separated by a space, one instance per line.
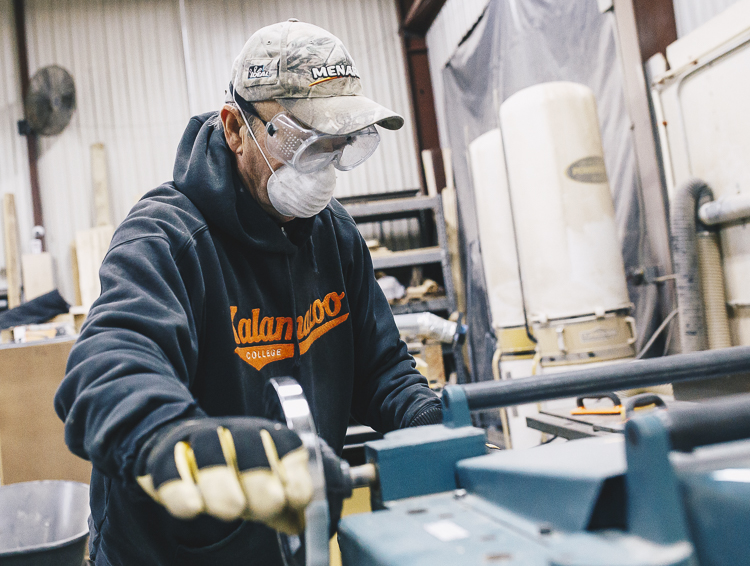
x=450 y=213
x=12 y=264
x=102 y=215
x=32 y=434
x=429 y=172
x=38 y=274
x=91 y=247
x=74 y=269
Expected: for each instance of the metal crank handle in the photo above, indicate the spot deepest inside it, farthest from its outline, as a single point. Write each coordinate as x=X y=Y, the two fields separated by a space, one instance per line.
x=288 y=404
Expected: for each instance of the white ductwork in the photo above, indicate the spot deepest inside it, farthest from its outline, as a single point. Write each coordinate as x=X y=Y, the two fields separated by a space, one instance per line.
x=426 y=325
x=726 y=209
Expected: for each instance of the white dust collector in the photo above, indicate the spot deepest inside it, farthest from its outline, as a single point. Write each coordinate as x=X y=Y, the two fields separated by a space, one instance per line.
x=500 y=264
x=499 y=257
x=569 y=254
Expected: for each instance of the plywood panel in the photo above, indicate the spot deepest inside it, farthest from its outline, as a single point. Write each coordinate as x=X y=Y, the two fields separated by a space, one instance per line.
x=38 y=274
x=91 y=247
x=12 y=263
x=32 y=434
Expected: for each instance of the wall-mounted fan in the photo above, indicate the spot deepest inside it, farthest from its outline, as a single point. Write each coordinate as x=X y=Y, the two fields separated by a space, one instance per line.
x=51 y=100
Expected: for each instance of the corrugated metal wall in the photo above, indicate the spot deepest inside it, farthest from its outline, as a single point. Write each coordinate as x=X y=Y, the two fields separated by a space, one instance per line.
x=455 y=20
x=690 y=14
x=127 y=60
x=14 y=170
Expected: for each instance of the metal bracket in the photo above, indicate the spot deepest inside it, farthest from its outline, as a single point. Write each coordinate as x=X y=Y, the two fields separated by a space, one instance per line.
x=655 y=508
x=296 y=412
x=455 y=407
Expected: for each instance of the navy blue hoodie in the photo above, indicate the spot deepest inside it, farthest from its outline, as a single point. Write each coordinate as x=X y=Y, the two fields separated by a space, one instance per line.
x=204 y=298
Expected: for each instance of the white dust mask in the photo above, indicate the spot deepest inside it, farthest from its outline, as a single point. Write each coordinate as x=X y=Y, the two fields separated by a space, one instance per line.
x=296 y=194
x=301 y=195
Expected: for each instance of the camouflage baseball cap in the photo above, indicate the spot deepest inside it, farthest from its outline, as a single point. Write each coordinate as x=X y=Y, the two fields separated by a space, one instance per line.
x=311 y=74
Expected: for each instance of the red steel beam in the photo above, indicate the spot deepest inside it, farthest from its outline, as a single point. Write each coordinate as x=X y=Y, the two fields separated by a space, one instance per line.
x=656 y=25
x=31 y=138
x=420 y=88
x=421 y=14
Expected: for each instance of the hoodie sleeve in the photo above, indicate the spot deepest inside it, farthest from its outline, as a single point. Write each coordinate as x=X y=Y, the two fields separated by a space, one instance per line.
x=389 y=393
x=129 y=372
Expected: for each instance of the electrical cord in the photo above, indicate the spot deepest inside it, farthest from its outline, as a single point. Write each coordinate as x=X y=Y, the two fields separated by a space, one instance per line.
x=656 y=333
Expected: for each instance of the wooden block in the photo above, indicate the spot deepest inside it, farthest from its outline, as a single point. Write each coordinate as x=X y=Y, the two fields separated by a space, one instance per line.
x=38 y=276
x=448 y=167
x=429 y=172
x=79 y=316
x=91 y=247
x=434 y=170
x=102 y=215
x=76 y=279
x=429 y=358
x=450 y=213
x=12 y=265
x=32 y=434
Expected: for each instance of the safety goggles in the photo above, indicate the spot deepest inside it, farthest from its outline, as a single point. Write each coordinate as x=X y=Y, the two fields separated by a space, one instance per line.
x=308 y=150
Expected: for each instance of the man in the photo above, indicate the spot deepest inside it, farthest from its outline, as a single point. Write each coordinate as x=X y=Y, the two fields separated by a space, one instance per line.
x=240 y=270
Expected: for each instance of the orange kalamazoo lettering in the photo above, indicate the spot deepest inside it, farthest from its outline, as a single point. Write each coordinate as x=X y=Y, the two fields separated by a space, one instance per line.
x=310 y=327
x=304 y=346
x=252 y=330
x=330 y=305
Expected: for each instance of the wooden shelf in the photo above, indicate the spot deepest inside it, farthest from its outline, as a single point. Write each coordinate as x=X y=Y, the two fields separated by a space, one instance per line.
x=417 y=256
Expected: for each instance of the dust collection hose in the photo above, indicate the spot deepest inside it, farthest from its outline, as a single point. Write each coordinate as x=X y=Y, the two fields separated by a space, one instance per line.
x=683 y=213
x=714 y=294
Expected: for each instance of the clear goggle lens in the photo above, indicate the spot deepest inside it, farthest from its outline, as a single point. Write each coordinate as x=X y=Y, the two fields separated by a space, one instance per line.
x=307 y=150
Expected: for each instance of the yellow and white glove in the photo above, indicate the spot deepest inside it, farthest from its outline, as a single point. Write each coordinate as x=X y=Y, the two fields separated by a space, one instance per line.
x=229 y=468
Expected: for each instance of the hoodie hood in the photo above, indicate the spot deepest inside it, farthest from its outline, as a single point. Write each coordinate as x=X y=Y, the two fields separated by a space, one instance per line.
x=204 y=172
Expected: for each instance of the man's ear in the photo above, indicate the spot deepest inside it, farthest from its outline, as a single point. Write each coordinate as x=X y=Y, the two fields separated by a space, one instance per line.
x=232 y=122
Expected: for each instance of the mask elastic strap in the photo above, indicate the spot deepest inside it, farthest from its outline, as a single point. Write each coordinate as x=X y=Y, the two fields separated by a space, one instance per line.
x=249 y=129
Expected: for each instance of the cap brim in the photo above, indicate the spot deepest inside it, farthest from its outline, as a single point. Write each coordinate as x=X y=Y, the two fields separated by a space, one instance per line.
x=341 y=114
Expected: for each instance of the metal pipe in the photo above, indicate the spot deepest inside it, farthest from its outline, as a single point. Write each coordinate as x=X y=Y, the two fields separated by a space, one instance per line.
x=708 y=364
x=710 y=422
x=725 y=209
x=362 y=476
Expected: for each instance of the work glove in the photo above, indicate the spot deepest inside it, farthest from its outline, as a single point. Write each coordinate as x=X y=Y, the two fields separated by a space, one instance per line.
x=230 y=468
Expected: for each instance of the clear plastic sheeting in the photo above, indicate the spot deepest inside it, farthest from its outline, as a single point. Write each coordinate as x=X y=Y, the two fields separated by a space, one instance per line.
x=517 y=44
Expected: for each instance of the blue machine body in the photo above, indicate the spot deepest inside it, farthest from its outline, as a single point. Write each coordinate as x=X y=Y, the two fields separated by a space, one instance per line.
x=609 y=501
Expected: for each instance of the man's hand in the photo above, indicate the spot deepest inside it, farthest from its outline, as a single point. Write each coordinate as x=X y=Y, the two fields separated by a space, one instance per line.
x=230 y=468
